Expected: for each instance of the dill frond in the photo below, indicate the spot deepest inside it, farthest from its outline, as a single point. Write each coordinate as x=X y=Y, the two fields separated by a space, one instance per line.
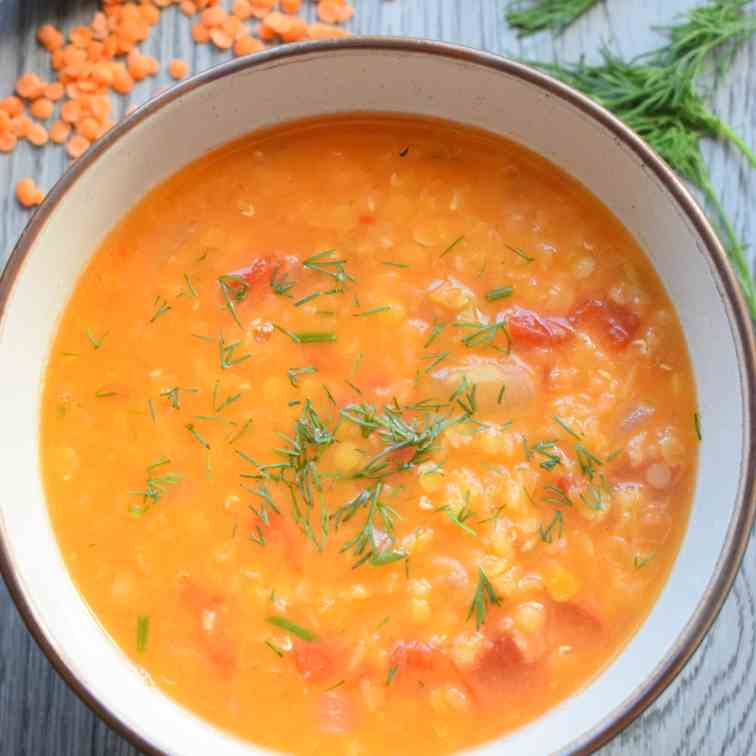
x=531 y=16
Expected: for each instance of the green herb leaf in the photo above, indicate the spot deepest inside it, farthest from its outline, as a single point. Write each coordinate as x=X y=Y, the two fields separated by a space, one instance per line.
x=162 y=308
x=501 y=293
x=483 y=598
x=531 y=16
x=451 y=246
x=290 y=627
x=142 y=632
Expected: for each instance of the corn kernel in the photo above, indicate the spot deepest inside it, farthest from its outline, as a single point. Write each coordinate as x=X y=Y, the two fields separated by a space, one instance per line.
x=561 y=584
x=530 y=616
x=420 y=610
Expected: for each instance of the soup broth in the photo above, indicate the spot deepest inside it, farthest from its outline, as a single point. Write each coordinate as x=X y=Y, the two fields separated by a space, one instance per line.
x=369 y=435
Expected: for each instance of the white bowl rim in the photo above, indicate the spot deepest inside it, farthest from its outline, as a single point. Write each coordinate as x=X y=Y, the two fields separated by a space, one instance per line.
x=739 y=529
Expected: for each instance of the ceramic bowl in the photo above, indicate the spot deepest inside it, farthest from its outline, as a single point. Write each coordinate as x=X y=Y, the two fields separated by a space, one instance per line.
x=383 y=75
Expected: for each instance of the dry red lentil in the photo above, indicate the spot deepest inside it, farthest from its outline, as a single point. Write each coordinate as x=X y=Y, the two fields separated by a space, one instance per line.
x=96 y=59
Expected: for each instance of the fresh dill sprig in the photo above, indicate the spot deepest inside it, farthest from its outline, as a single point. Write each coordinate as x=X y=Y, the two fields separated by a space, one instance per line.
x=294 y=373
x=531 y=16
x=483 y=598
x=93 y=340
x=658 y=96
x=227 y=353
x=174 y=395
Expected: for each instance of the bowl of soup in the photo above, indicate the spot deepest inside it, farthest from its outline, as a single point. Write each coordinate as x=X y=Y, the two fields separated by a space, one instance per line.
x=373 y=396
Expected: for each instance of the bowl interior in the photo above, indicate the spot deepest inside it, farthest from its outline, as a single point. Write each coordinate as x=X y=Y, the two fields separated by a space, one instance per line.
x=404 y=77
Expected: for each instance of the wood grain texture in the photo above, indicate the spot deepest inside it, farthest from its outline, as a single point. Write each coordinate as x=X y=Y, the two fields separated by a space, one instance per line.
x=710 y=708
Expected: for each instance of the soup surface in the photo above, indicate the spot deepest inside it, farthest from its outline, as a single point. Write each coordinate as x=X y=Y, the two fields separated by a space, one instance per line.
x=369 y=435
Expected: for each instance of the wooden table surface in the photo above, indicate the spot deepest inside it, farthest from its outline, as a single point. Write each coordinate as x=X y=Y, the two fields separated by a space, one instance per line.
x=710 y=708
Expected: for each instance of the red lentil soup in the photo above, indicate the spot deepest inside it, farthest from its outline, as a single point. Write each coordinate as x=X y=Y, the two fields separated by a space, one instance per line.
x=369 y=435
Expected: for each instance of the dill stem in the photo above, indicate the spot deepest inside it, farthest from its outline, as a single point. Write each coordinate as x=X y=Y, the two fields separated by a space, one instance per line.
x=729 y=134
x=732 y=246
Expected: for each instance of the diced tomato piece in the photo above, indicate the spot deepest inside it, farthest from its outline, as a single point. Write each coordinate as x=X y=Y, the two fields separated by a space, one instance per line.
x=501 y=668
x=617 y=323
x=317 y=662
x=212 y=638
x=529 y=328
x=257 y=271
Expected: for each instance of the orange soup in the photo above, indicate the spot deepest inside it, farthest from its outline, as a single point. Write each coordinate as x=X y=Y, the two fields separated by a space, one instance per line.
x=369 y=435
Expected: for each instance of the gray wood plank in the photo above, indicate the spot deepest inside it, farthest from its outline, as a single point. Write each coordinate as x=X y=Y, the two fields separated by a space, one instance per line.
x=710 y=707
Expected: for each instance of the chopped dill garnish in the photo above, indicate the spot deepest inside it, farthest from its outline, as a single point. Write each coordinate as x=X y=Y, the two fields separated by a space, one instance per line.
x=382 y=624
x=520 y=253
x=93 y=340
x=403 y=152
x=325 y=264
x=294 y=373
x=502 y=392
x=451 y=246
x=282 y=284
x=69 y=354
x=459 y=518
x=277 y=651
x=307 y=337
x=556 y=496
x=366 y=544
x=314 y=337
x=102 y=394
x=501 y=293
x=435 y=333
x=393 y=264
x=151 y=410
x=435 y=359
x=547 y=533
x=483 y=598
x=189 y=291
x=329 y=395
x=390 y=676
x=334 y=686
x=485 y=335
x=162 y=307
x=354 y=388
x=236 y=436
x=307 y=298
x=290 y=627
x=372 y=311
x=267 y=506
x=531 y=16
x=697 y=425
x=155 y=487
x=544 y=449
x=234 y=289
x=587 y=461
x=563 y=425
x=639 y=562
x=227 y=353
x=594 y=498
x=230 y=399
x=142 y=632
x=190 y=427
x=174 y=397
